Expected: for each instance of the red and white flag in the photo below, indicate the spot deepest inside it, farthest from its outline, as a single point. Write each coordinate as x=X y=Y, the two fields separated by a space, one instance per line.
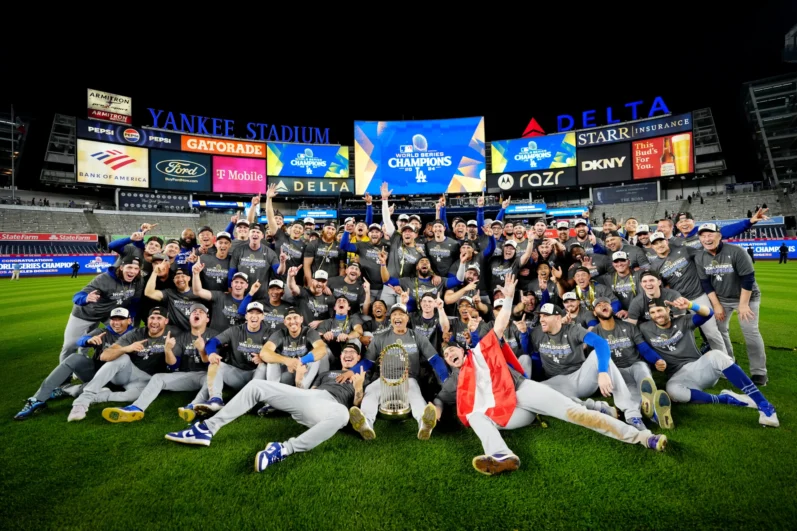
x=485 y=384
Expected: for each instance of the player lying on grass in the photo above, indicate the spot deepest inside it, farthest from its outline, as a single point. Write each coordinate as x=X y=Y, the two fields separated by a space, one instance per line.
x=187 y=352
x=516 y=399
x=78 y=363
x=324 y=409
x=688 y=371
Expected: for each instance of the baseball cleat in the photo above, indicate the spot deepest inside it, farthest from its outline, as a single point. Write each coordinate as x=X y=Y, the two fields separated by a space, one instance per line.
x=197 y=435
x=606 y=409
x=735 y=399
x=265 y=411
x=271 y=455
x=490 y=465
x=637 y=423
x=187 y=413
x=647 y=388
x=767 y=416
x=428 y=422
x=77 y=413
x=58 y=392
x=657 y=442
x=32 y=406
x=210 y=407
x=661 y=410
x=122 y=414
x=360 y=423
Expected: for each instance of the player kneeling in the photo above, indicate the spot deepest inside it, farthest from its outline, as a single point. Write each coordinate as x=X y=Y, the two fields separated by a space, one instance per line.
x=492 y=377
x=324 y=409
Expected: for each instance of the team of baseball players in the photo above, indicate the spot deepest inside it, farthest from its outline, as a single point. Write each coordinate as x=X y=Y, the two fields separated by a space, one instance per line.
x=288 y=319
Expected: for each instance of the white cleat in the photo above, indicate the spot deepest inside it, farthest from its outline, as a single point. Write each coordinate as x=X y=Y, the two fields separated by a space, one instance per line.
x=741 y=398
x=77 y=413
x=770 y=420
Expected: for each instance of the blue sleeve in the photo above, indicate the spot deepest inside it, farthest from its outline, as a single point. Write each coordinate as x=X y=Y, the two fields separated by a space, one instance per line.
x=364 y=363
x=230 y=228
x=598 y=249
x=707 y=287
x=230 y=274
x=80 y=298
x=546 y=297
x=276 y=266
x=369 y=215
x=83 y=341
x=118 y=246
x=616 y=306
x=480 y=219
x=500 y=215
x=176 y=364
x=133 y=310
x=345 y=245
x=392 y=282
x=525 y=341
x=700 y=320
x=211 y=346
x=747 y=281
x=443 y=216
x=488 y=251
x=474 y=338
x=452 y=281
x=593 y=322
x=244 y=303
x=735 y=229
x=648 y=353
x=601 y=350
x=439 y=367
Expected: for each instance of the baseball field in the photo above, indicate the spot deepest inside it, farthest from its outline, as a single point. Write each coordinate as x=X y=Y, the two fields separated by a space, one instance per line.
x=720 y=470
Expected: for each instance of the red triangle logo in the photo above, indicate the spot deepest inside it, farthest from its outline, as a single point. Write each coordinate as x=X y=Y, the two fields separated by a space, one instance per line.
x=533 y=129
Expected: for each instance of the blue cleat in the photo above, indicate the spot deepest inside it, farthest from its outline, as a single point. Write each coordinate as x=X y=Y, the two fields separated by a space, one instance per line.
x=197 y=435
x=637 y=423
x=657 y=442
x=58 y=392
x=32 y=406
x=265 y=411
x=271 y=455
x=490 y=465
x=210 y=407
x=122 y=414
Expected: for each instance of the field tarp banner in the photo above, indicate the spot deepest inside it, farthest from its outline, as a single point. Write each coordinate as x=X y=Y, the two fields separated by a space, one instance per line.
x=52 y=264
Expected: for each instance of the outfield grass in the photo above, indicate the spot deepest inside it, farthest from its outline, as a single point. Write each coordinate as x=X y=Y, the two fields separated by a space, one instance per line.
x=721 y=470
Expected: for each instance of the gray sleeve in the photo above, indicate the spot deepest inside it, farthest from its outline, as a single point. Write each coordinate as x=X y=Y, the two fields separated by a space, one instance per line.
x=701 y=271
x=424 y=347
x=742 y=262
x=635 y=309
x=235 y=257
x=127 y=339
x=448 y=393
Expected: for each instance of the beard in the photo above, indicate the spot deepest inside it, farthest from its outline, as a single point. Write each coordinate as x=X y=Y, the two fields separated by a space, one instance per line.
x=187 y=243
x=607 y=318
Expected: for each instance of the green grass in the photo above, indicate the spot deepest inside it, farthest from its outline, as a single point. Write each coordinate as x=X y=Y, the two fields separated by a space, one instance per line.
x=721 y=469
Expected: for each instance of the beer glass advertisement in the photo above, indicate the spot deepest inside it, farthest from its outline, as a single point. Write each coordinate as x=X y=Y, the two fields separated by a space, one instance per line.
x=307 y=160
x=663 y=156
x=421 y=156
x=538 y=153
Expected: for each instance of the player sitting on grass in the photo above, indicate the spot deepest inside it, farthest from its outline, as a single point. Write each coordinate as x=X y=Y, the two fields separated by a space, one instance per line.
x=323 y=409
x=690 y=372
x=463 y=389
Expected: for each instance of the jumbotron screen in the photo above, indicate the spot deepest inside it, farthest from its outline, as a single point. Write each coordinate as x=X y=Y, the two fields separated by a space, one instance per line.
x=420 y=157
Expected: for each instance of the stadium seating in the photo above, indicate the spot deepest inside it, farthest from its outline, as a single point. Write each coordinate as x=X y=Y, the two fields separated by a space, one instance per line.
x=30 y=219
x=125 y=223
x=48 y=248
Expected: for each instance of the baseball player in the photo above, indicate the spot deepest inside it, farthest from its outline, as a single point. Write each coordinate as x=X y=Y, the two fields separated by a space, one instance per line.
x=187 y=353
x=244 y=364
x=216 y=267
x=686 y=225
x=323 y=255
x=289 y=244
x=415 y=345
x=728 y=276
x=119 y=287
x=257 y=260
x=78 y=363
x=442 y=250
x=623 y=282
x=585 y=289
x=225 y=306
x=352 y=285
x=178 y=300
x=294 y=345
x=323 y=409
x=614 y=243
x=130 y=362
x=690 y=372
x=531 y=398
x=639 y=312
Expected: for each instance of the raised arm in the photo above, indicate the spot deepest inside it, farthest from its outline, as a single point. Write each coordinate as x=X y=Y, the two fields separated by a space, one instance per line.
x=272 y=219
x=504 y=316
x=388 y=223
x=150 y=291
x=196 y=283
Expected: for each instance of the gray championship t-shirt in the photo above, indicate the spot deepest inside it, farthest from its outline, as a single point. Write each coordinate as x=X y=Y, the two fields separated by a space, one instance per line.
x=179 y=305
x=151 y=360
x=622 y=342
x=413 y=343
x=640 y=306
x=294 y=347
x=113 y=294
x=224 y=311
x=676 y=345
x=190 y=360
x=624 y=289
x=342 y=392
x=561 y=353
x=244 y=345
x=326 y=257
x=256 y=264
x=214 y=276
x=678 y=271
x=724 y=271
x=354 y=293
x=442 y=255
x=402 y=260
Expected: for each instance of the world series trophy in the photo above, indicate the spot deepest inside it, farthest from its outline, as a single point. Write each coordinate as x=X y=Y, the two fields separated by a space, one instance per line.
x=394 y=368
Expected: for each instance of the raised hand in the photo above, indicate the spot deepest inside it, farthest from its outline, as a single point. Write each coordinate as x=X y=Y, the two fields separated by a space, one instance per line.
x=592 y=239
x=505 y=203
x=94 y=296
x=760 y=215
x=235 y=218
x=170 y=342
x=385 y=192
x=283 y=257
x=556 y=272
x=137 y=236
x=146 y=227
x=256 y=199
x=192 y=257
x=366 y=286
x=198 y=268
x=391 y=209
x=359 y=378
x=480 y=201
x=522 y=326
x=368 y=199
x=382 y=257
x=199 y=343
x=254 y=288
x=293 y=270
x=271 y=192
x=510 y=282
x=442 y=200
x=96 y=340
x=439 y=304
x=681 y=303
x=138 y=346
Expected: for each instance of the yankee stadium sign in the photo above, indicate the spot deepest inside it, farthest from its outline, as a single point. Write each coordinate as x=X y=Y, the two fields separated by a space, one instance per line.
x=204 y=125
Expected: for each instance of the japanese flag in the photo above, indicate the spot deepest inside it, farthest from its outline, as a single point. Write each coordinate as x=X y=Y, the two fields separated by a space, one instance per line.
x=485 y=384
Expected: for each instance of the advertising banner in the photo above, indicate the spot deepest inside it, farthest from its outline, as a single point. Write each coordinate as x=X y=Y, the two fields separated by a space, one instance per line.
x=39 y=237
x=768 y=249
x=575 y=211
x=239 y=176
x=317 y=214
x=662 y=126
x=302 y=160
x=127 y=135
x=534 y=208
x=630 y=193
x=664 y=156
x=218 y=204
x=179 y=171
x=111 y=107
x=112 y=164
x=438 y=155
x=604 y=164
x=603 y=135
x=215 y=146
x=538 y=153
x=148 y=201
x=306 y=186
x=49 y=264
x=774 y=220
x=531 y=180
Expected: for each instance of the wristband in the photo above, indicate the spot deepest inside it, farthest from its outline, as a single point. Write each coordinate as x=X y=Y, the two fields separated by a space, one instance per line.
x=307 y=358
x=694 y=306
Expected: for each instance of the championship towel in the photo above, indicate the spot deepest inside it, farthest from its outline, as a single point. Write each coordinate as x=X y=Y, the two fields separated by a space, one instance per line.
x=485 y=384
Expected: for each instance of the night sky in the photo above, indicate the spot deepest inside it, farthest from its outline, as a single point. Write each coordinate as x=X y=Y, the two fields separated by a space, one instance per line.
x=507 y=74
